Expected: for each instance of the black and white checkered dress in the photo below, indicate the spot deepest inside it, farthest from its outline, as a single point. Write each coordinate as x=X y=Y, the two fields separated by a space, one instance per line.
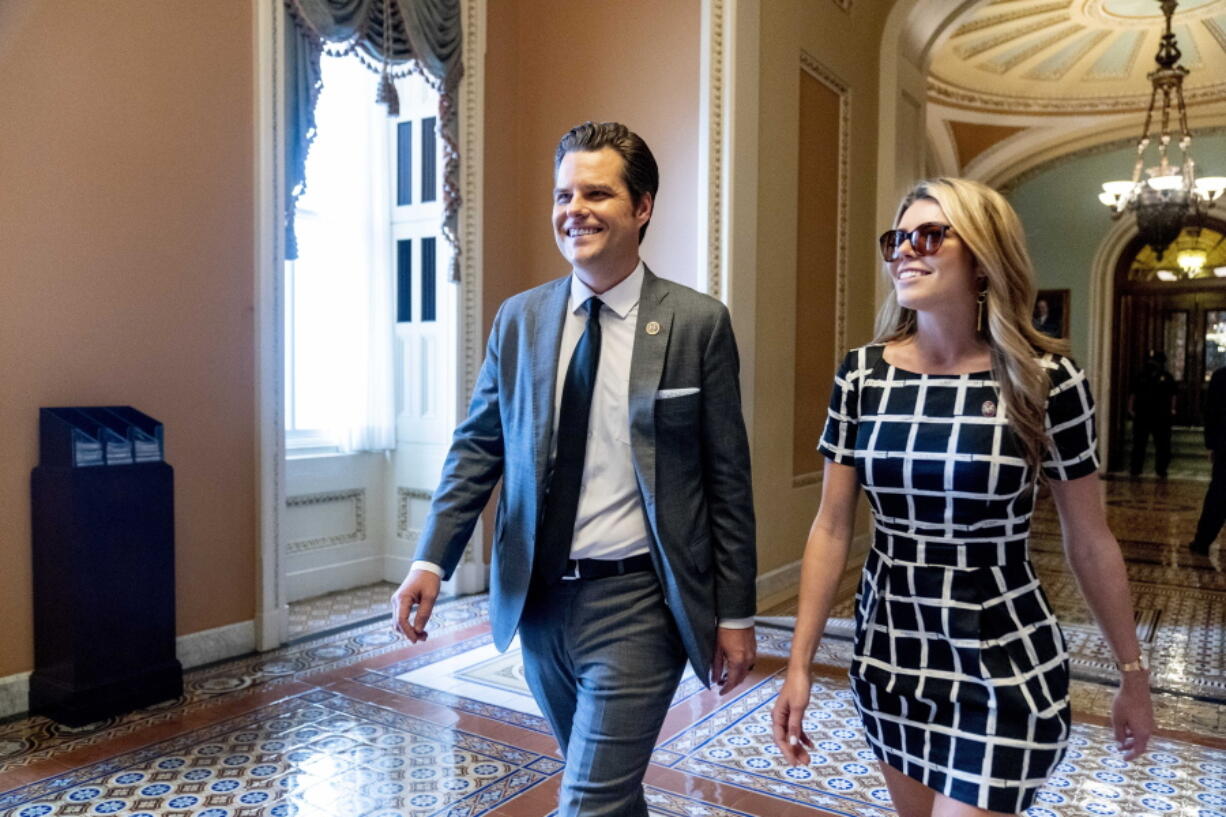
x=960 y=668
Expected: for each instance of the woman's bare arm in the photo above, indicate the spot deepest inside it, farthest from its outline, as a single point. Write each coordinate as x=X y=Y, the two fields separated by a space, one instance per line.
x=820 y=569
x=1094 y=555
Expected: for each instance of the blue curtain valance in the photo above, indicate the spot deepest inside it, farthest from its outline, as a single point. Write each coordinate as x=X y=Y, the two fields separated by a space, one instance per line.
x=393 y=38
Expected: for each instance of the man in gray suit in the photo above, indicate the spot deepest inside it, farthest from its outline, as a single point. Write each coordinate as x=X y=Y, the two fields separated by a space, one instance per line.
x=609 y=405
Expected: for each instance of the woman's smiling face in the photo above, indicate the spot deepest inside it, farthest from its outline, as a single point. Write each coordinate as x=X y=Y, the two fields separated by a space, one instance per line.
x=937 y=282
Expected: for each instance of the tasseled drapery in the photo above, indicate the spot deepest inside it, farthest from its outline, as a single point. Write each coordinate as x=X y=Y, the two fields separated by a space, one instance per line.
x=392 y=38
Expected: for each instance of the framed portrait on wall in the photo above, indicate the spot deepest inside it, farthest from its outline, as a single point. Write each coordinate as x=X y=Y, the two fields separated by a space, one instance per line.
x=1050 y=314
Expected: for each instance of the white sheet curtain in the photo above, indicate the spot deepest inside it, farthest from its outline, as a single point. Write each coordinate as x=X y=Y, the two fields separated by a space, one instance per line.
x=344 y=295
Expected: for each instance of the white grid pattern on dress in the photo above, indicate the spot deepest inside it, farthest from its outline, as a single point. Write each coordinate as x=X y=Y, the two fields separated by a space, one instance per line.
x=960 y=669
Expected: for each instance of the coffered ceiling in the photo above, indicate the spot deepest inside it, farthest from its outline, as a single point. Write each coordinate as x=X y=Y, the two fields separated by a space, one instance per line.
x=1013 y=82
x=1074 y=56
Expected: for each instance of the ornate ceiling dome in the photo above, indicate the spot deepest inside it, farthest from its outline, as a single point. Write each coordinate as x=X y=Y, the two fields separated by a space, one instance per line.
x=1074 y=56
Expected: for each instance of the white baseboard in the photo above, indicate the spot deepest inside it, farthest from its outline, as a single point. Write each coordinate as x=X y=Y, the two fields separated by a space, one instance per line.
x=782 y=581
x=395 y=568
x=316 y=581
x=14 y=694
x=216 y=644
x=192 y=650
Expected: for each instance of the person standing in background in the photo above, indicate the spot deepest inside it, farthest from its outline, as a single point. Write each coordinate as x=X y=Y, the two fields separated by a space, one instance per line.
x=1213 y=513
x=1152 y=408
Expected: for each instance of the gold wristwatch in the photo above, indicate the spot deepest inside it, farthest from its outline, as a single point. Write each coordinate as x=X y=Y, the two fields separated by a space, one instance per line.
x=1141 y=663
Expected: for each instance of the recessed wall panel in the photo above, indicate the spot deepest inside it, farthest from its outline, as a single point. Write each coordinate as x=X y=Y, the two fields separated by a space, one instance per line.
x=817 y=267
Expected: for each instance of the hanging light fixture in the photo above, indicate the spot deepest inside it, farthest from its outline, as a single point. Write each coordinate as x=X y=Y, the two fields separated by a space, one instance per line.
x=1192 y=261
x=1164 y=197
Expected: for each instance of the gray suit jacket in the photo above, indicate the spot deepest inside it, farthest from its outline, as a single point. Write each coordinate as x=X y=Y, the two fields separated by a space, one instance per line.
x=691 y=457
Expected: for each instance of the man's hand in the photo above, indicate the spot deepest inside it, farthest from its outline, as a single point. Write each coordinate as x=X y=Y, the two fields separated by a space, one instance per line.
x=734 y=655
x=419 y=588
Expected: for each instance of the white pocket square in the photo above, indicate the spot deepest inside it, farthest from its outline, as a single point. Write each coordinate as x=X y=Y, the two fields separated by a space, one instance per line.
x=668 y=394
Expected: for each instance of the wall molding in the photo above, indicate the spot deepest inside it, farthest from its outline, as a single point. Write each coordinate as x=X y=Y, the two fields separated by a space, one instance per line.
x=1102 y=325
x=403 y=497
x=712 y=141
x=271 y=609
x=472 y=167
x=357 y=496
x=956 y=96
x=812 y=66
x=469 y=575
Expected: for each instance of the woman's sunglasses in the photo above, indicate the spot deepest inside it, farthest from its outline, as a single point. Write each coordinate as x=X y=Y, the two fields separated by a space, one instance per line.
x=925 y=240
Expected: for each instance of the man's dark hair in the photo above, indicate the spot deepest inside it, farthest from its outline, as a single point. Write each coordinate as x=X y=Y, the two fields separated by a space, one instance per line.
x=639 y=170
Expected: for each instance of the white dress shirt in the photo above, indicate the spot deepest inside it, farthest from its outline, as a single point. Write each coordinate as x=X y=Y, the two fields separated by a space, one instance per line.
x=611 y=522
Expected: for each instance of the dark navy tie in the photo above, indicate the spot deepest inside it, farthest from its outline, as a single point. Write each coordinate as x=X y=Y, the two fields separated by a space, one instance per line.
x=557 y=528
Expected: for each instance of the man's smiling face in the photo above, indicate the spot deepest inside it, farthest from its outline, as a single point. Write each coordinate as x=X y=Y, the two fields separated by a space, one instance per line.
x=595 y=220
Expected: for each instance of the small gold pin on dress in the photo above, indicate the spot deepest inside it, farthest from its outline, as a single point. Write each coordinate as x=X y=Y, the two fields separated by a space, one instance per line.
x=653 y=328
x=988 y=408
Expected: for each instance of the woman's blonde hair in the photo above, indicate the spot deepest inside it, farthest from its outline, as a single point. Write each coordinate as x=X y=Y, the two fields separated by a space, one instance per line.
x=989 y=228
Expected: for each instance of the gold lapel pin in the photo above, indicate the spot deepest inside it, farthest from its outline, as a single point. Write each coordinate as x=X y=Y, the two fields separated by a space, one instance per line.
x=653 y=328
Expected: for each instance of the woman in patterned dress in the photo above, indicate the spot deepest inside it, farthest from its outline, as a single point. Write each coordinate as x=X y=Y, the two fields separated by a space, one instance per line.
x=959 y=669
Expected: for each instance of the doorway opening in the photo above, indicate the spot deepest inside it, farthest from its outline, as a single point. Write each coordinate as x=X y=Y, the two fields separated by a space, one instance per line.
x=1174 y=306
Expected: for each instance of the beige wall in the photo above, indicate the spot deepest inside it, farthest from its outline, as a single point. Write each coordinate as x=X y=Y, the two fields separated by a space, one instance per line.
x=551 y=65
x=126 y=224
x=847 y=45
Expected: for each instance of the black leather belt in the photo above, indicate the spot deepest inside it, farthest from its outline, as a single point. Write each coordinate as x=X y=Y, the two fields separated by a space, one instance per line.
x=604 y=568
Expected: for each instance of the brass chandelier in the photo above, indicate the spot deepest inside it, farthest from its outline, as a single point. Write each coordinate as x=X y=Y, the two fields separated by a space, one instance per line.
x=1164 y=197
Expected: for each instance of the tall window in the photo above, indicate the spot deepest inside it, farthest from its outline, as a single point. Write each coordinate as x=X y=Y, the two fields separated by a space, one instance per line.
x=367 y=228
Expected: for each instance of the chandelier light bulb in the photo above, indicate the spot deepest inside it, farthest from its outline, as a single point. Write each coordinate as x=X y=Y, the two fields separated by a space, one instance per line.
x=1192 y=261
x=1171 y=182
x=1210 y=188
x=1115 y=192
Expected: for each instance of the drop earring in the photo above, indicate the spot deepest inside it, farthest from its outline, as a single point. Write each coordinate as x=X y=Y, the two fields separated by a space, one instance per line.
x=982 y=301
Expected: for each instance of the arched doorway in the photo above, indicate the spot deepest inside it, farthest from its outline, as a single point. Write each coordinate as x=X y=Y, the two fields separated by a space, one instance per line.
x=1161 y=307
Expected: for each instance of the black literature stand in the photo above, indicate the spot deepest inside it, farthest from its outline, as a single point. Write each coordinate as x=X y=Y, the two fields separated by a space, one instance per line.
x=103 y=538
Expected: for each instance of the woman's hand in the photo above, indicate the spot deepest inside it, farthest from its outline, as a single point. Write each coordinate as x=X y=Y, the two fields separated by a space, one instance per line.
x=788 y=714
x=1132 y=714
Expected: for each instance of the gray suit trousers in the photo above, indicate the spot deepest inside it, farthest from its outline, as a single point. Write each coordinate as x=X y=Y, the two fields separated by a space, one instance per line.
x=603 y=658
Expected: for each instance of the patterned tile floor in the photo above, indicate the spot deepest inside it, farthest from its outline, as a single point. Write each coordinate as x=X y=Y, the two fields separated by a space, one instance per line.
x=357 y=723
